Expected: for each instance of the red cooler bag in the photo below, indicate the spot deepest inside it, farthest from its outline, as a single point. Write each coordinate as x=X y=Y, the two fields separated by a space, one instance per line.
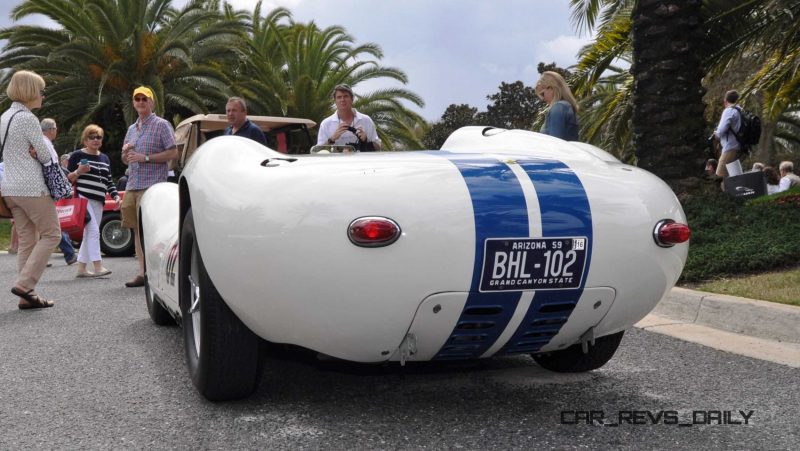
x=71 y=213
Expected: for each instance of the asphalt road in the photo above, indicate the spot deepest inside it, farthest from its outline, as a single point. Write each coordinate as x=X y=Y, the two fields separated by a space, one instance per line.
x=94 y=372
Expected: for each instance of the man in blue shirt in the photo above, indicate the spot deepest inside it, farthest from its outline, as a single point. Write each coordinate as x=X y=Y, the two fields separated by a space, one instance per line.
x=729 y=124
x=236 y=112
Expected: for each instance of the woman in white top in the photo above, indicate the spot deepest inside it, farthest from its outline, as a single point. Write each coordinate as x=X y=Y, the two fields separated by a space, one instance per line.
x=24 y=188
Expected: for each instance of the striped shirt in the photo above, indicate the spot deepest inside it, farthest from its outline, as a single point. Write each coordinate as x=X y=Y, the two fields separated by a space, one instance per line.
x=149 y=136
x=97 y=182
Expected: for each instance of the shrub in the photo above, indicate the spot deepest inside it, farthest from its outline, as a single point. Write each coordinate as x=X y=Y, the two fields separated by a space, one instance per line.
x=730 y=237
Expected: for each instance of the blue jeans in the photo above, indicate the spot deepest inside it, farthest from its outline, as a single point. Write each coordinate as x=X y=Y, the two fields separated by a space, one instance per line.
x=66 y=247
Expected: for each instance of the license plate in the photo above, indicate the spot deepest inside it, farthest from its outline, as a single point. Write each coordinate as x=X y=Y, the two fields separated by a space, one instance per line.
x=518 y=264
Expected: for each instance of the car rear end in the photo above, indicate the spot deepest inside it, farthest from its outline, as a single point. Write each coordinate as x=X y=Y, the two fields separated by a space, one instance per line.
x=498 y=251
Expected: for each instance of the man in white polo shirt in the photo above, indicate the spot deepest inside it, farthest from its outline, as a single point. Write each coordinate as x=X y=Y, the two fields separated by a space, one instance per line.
x=347 y=126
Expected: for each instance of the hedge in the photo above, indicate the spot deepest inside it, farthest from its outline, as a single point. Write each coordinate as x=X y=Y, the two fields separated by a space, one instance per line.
x=731 y=237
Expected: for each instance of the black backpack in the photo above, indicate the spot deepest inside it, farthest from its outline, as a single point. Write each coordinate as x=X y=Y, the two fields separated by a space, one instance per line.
x=749 y=129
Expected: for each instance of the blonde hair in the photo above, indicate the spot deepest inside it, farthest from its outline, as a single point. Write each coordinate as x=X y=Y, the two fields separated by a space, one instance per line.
x=25 y=86
x=89 y=130
x=561 y=91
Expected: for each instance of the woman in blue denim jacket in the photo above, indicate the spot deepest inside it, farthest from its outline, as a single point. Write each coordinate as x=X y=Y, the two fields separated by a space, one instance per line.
x=561 y=116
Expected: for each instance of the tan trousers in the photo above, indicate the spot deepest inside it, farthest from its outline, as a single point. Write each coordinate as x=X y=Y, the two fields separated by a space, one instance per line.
x=725 y=158
x=32 y=214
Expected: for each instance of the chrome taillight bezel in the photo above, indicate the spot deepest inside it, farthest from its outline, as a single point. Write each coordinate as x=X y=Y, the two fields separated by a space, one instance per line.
x=657 y=235
x=359 y=222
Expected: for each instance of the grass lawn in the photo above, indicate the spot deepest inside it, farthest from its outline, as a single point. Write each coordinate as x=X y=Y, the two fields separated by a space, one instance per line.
x=777 y=286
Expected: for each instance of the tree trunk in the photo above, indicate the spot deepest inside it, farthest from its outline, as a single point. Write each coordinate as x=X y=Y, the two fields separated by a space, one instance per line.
x=667 y=94
x=765 y=150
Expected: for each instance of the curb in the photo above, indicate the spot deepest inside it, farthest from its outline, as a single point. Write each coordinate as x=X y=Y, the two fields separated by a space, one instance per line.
x=767 y=320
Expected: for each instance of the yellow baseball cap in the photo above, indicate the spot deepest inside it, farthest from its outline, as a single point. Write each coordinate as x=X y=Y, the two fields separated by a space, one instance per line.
x=143 y=90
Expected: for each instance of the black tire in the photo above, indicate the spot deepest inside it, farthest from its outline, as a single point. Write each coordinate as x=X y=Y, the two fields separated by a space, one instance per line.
x=115 y=240
x=157 y=312
x=221 y=352
x=573 y=360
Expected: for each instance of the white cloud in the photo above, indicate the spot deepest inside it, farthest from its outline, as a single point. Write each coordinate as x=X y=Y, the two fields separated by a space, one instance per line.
x=562 y=50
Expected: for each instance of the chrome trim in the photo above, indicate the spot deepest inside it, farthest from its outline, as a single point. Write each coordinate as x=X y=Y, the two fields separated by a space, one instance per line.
x=658 y=226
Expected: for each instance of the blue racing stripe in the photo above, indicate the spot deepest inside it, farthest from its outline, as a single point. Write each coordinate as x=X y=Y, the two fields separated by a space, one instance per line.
x=500 y=210
x=565 y=212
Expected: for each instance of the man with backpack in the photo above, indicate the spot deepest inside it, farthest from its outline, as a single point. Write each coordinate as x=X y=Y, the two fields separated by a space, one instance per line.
x=729 y=124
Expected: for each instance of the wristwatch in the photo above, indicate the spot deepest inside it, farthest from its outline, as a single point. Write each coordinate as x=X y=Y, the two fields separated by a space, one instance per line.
x=147 y=158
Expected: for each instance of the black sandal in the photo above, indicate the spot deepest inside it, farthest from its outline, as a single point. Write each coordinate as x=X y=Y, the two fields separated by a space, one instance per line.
x=34 y=301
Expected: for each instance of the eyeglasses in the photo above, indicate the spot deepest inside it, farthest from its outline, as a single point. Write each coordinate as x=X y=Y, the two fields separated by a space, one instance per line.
x=140 y=99
x=41 y=92
x=94 y=137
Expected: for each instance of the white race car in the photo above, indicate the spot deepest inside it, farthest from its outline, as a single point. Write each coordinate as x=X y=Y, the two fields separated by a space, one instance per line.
x=503 y=242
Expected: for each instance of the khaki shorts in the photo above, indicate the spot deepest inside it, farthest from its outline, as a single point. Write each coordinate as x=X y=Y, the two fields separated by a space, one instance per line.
x=130 y=208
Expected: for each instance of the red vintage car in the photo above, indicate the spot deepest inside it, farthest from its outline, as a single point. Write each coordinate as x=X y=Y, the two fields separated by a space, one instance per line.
x=115 y=240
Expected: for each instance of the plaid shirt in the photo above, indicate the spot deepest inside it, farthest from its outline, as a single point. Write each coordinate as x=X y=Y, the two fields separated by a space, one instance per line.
x=149 y=136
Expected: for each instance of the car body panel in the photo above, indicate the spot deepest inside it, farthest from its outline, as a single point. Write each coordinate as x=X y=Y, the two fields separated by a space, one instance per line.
x=272 y=232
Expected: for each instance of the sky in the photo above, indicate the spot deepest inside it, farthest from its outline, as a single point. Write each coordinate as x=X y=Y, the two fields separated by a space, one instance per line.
x=453 y=51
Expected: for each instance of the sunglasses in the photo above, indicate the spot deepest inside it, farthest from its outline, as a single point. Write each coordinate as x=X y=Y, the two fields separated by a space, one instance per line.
x=95 y=137
x=41 y=93
x=140 y=99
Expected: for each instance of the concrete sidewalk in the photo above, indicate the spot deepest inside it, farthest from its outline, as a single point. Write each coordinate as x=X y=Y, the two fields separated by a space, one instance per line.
x=759 y=329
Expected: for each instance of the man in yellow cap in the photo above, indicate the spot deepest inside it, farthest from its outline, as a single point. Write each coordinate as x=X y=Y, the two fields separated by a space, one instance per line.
x=148 y=148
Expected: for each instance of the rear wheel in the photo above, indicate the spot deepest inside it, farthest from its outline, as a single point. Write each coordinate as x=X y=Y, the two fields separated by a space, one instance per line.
x=115 y=240
x=573 y=360
x=157 y=312
x=221 y=352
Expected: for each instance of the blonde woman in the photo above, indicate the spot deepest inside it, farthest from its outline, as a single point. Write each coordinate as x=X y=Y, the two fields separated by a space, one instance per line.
x=561 y=116
x=24 y=188
x=90 y=170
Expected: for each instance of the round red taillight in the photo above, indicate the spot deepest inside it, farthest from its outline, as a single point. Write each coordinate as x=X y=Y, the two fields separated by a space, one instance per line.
x=668 y=233
x=373 y=231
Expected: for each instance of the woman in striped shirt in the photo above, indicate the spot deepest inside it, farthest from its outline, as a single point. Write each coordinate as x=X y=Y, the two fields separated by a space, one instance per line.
x=90 y=170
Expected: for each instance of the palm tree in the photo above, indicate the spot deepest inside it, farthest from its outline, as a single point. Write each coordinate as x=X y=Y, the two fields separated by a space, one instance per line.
x=103 y=49
x=668 y=104
x=606 y=112
x=667 y=95
x=765 y=35
x=750 y=45
x=290 y=69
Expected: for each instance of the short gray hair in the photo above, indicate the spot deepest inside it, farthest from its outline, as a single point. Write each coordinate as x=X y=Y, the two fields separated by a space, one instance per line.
x=240 y=101
x=787 y=166
x=48 y=124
